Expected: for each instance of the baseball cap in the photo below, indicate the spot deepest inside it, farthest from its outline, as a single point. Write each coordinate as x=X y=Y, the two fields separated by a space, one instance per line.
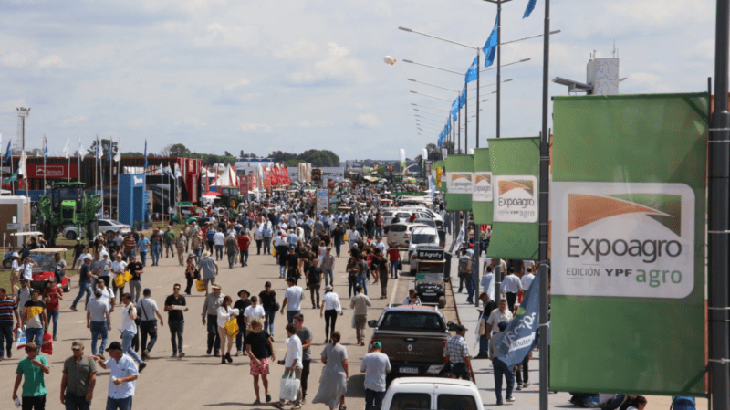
x=459 y=328
x=114 y=346
x=77 y=345
x=377 y=345
x=147 y=291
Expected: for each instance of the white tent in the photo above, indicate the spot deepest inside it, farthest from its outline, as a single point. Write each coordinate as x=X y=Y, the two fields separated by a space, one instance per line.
x=227 y=178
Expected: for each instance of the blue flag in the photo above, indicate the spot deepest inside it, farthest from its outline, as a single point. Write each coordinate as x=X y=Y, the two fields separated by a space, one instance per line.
x=520 y=337
x=530 y=7
x=490 y=47
x=45 y=149
x=455 y=107
x=462 y=97
x=471 y=74
x=144 y=171
x=109 y=154
x=8 y=154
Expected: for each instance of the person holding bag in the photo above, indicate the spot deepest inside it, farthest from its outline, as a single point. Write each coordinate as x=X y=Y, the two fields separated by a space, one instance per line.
x=227 y=322
x=191 y=274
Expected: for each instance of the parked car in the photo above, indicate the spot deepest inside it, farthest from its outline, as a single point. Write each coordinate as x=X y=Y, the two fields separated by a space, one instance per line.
x=425 y=393
x=399 y=234
x=427 y=236
x=105 y=226
x=414 y=338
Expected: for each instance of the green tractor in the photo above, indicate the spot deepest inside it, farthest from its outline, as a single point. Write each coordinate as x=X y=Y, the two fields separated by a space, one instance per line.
x=230 y=197
x=68 y=205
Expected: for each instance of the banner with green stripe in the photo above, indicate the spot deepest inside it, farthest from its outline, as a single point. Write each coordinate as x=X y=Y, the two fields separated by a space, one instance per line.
x=482 y=193
x=459 y=180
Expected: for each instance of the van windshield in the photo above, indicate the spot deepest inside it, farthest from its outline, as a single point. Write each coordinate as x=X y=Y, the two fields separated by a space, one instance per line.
x=412 y=322
x=423 y=239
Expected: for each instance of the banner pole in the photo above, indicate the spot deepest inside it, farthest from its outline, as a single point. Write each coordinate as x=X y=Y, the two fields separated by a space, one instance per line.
x=717 y=226
x=477 y=228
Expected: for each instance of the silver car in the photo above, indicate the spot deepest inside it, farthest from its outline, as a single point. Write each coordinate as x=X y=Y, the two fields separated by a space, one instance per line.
x=105 y=226
x=399 y=235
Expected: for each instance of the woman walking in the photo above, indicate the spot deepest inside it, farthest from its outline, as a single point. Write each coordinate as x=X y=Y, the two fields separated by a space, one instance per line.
x=333 y=385
x=353 y=269
x=329 y=310
x=271 y=306
x=191 y=273
x=259 y=347
x=226 y=313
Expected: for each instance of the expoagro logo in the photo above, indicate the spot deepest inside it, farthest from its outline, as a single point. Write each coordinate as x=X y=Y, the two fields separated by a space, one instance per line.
x=516 y=199
x=460 y=183
x=625 y=240
x=482 y=187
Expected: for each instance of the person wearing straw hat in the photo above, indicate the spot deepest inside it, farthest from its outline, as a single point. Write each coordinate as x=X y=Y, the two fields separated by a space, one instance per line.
x=211 y=304
x=208 y=268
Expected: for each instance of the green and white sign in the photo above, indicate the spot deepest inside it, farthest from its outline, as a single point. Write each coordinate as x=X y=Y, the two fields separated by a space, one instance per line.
x=516 y=199
x=459 y=182
x=483 y=193
x=627 y=222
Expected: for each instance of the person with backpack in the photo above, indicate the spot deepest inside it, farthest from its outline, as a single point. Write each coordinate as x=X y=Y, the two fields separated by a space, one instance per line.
x=683 y=403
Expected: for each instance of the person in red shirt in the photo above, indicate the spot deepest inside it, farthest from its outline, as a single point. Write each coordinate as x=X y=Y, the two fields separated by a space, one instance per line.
x=51 y=296
x=243 y=242
x=394 y=258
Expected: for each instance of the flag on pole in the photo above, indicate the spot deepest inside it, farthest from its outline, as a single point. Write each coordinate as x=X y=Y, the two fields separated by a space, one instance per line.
x=81 y=151
x=21 y=164
x=520 y=337
x=8 y=154
x=11 y=179
x=530 y=7
x=66 y=148
x=462 y=97
x=490 y=47
x=118 y=155
x=455 y=107
x=109 y=153
x=424 y=154
x=145 y=156
x=45 y=149
x=471 y=74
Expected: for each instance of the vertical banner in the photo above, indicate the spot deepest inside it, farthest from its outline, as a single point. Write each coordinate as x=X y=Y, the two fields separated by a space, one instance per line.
x=459 y=182
x=515 y=164
x=627 y=209
x=439 y=176
x=402 y=161
x=483 y=192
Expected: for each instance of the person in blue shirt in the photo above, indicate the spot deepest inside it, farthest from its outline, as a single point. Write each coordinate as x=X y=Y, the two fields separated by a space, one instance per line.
x=144 y=247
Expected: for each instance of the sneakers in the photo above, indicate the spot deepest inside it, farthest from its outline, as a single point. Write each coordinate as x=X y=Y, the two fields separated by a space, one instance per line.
x=296 y=406
x=238 y=353
x=142 y=366
x=519 y=387
x=101 y=356
x=511 y=399
x=257 y=402
x=145 y=355
x=73 y=309
x=525 y=384
x=181 y=355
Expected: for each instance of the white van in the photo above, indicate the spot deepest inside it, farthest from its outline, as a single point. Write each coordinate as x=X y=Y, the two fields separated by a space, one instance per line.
x=432 y=393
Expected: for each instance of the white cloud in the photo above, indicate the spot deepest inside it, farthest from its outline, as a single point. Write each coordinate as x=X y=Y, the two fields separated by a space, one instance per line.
x=219 y=35
x=314 y=124
x=232 y=86
x=645 y=78
x=193 y=122
x=140 y=123
x=253 y=127
x=301 y=50
x=337 y=65
x=367 y=120
x=74 y=120
x=51 y=61
x=11 y=105
x=16 y=60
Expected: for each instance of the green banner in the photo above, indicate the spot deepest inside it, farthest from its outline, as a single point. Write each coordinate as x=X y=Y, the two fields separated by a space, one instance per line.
x=515 y=164
x=458 y=177
x=627 y=212
x=483 y=193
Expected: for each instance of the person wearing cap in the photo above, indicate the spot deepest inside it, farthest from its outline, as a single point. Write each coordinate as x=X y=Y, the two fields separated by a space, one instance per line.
x=456 y=352
x=211 y=304
x=98 y=321
x=500 y=368
x=181 y=242
x=175 y=318
x=107 y=294
x=375 y=365
x=128 y=328
x=14 y=274
x=293 y=363
x=123 y=373
x=242 y=305
x=34 y=367
x=79 y=379
x=118 y=268
x=84 y=282
x=136 y=269
x=148 y=325
x=169 y=238
x=156 y=241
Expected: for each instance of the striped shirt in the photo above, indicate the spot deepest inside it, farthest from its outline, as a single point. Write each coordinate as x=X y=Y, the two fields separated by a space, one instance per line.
x=7 y=307
x=456 y=349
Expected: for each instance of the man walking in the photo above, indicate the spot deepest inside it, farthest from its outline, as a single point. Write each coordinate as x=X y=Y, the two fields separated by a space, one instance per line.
x=305 y=337
x=511 y=284
x=328 y=267
x=148 y=326
x=500 y=368
x=97 y=321
x=84 y=282
x=457 y=353
x=360 y=304
x=8 y=308
x=209 y=269
x=375 y=365
x=79 y=379
x=122 y=375
x=128 y=328
x=181 y=244
x=292 y=299
x=35 y=318
x=211 y=304
x=34 y=367
x=175 y=320
x=136 y=269
x=293 y=363
x=243 y=243
x=231 y=246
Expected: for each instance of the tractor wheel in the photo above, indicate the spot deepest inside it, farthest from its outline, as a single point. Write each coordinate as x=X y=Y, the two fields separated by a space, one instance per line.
x=8 y=263
x=71 y=235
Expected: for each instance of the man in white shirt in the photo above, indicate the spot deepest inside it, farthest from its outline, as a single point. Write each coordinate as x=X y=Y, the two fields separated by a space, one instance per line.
x=218 y=241
x=255 y=311
x=293 y=363
x=510 y=286
x=128 y=328
x=107 y=295
x=292 y=298
x=122 y=375
x=527 y=279
x=488 y=281
x=501 y=314
x=118 y=268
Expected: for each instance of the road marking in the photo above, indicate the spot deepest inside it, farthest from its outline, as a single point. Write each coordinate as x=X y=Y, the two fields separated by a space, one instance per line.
x=395 y=289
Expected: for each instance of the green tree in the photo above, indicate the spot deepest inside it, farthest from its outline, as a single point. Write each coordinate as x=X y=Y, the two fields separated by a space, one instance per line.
x=104 y=147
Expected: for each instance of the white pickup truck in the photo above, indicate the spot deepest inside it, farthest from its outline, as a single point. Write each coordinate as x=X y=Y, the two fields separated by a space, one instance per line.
x=432 y=393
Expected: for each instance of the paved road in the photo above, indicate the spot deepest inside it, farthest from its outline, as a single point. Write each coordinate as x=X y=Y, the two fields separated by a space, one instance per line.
x=199 y=380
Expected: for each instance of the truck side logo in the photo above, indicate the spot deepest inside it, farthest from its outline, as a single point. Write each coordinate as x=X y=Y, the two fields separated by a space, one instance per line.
x=410 y=348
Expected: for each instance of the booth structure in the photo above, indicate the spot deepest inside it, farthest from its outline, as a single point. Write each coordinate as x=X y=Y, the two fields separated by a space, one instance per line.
x=134 y=201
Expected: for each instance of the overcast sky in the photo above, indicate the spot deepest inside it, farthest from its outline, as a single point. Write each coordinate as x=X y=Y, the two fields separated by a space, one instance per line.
x=293 y=75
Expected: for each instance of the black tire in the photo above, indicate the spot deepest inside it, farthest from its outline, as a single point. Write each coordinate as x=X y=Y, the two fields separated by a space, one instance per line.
x=173 y=223
x=71 y=235
x=8 y=263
